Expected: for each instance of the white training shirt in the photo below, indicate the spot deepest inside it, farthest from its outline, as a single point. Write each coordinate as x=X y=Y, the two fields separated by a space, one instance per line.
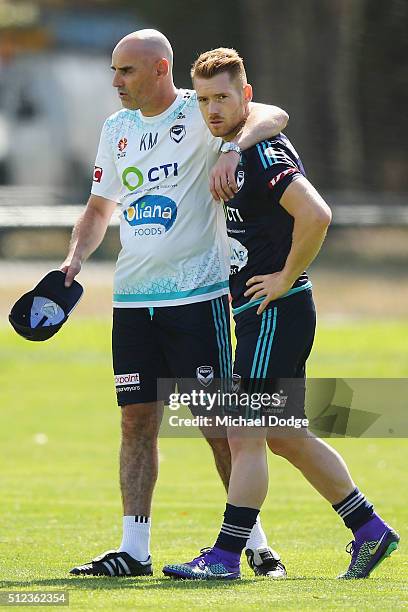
x=174 y=242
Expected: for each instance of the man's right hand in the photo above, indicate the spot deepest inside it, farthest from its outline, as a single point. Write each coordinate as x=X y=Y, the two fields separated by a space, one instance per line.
x=71 y=268
x=87 y=235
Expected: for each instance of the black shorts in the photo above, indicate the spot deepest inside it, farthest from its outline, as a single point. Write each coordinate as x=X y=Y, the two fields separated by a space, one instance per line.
x=171 y=344
x=272 y=348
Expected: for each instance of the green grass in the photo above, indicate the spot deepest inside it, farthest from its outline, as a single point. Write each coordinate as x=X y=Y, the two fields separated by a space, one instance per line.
x=360 y=349
x=60 y=502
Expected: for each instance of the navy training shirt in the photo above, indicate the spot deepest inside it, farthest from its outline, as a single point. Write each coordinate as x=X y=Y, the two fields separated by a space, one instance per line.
x=259 y=228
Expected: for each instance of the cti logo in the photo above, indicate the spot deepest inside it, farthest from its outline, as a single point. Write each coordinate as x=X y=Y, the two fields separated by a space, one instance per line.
x=133 y=178
x=156 y=212
x=233 y=214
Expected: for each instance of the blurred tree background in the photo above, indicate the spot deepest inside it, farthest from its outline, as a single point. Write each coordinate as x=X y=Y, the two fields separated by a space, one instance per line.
x=339 y=67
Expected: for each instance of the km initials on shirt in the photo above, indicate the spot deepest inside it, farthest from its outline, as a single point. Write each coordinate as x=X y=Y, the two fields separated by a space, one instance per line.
x=144 y=144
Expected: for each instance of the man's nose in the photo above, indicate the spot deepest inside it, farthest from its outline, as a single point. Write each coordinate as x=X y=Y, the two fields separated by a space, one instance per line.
x=117 y=80
x=213 y=108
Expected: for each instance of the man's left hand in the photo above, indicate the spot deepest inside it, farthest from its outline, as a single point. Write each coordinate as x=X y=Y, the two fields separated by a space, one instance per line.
x=223 y=185
x=272 y=286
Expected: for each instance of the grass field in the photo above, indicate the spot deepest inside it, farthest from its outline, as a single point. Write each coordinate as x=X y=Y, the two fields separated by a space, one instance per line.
x=60 y=503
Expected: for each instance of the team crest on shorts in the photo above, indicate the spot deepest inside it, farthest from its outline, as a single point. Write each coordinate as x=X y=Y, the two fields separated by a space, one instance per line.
x=205 y=374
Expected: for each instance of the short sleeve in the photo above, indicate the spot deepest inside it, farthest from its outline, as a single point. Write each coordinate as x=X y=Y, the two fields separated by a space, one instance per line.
x=281 y=180
x=106 y=181
x=278 y=168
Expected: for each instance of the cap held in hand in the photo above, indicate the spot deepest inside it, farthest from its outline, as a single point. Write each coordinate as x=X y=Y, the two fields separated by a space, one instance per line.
x=41 y=312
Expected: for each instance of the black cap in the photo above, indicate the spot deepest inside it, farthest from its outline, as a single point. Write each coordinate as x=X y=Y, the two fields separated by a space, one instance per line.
x=41 y=312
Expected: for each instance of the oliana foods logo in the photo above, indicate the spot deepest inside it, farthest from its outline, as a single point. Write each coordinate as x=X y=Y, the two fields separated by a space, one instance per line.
x=151 y=215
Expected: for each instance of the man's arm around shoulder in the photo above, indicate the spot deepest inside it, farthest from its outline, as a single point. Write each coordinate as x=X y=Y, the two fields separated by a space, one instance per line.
x=263 y=121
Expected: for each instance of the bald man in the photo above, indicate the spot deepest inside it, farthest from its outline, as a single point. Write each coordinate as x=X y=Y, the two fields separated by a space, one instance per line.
x=170 y=302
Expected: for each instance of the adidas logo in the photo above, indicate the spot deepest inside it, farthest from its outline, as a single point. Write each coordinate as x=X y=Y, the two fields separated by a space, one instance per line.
x=180 y=116
x=117 y=567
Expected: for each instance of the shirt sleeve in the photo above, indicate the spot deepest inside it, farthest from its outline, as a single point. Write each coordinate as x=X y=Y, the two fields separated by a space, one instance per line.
x=106 y=181
x=278 y=169
x=280 y=181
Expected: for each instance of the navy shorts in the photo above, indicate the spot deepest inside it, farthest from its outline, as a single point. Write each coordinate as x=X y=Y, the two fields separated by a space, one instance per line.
x=174 y=344
x=272 y=348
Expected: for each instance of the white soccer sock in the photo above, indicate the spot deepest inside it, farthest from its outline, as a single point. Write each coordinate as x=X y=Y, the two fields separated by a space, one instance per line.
x=257 y=539
x=136 y=537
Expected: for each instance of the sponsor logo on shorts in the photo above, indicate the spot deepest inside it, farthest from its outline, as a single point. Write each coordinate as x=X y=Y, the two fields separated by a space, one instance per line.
x=97 y=174
x=205 y=374
x=127 y=379
x=127 y=389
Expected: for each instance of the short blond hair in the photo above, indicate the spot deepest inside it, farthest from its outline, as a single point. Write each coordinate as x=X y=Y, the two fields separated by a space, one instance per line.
x=211 y=63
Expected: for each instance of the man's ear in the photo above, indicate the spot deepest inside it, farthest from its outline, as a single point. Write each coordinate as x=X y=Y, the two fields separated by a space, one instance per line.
x=162 y=67
x=247 y=93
